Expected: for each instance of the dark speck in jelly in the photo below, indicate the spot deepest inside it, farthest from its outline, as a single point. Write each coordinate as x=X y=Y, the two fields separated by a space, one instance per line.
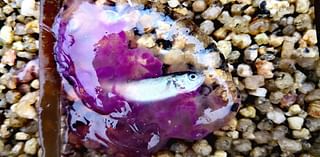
x=123 y=100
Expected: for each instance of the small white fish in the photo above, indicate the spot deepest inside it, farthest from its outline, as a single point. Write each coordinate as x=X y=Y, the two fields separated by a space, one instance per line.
x=161 y=88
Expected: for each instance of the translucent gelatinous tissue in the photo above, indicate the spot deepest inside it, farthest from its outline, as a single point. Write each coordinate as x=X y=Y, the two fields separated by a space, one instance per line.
x=126 y=98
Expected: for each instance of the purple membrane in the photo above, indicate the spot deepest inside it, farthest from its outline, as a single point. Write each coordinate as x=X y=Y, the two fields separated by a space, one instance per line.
x=96 y=50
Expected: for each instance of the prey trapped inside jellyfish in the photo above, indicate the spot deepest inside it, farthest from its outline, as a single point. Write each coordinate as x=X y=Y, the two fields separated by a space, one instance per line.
x=127 y=95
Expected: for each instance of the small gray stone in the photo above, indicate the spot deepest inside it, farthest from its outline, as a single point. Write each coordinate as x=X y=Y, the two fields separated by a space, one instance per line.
x=279 y=132
x=245 y=125
x=17 y=149
x=242 y=145
x=265 y=124
x=313 y=124
x=262 y=137
x=277 y=116
x=178 y=147
x=223 y=143
x=283 y=80
x=288 y=145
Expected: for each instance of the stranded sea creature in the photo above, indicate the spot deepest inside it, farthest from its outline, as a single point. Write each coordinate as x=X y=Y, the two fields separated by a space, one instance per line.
x=125 y=103
x=161 y=88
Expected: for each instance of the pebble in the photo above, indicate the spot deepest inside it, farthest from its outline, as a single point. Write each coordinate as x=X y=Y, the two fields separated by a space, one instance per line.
x=263 y=105
x=6 y=34
x=276 y=97
x=288 y=145
x=303 y=22
x=147 y=40
x=17 y=149
x=173 y=3
x=223 y=143
x=221 y=33
x=313 y=95
x=8 y=80
x=27 y=55
x=212 y=12
x=314 y=109
x=310 y=36
x=174 y=56
x=294 y=110
x=275 y=41
x=254 y=82
x=234 y=56
x=242 y=145
x=12 y=96
x=245 y=125
x=32 y=27
x=22 y=136
x=225 y=47
x=244 y=70
x=9 y=57
x=313 y=124
x=258 y=152
x=207 y=27
x=279 y=132
x=262 y=137
x=233 y=134
x=24 y=108
x=210 y=59
x=278 y=9
x=31 y=146
x=307 y=57
x=307 y=87
x=301 y=134
x=232 y=124
x=18 y=45
x=283 y=80
x=289 y=30
x=248 y=135
x=264 y=68
x=261 y=39
x=277 y=116
x=302 y=6
x=29 y=8
x=295 y=123
x=20 y=29
x=226 y=1
x=287 y=100
x=251 y=53
x=202 y=147
x=35 y=84
x=259 y=92
x=236 y=9
x=1 y=146
x=248 y=112
x=199 y=6
x=259 y=25
x=7 y=9
x=236 y=24
x=219 y=153
x=3 y=69
x=178 y=147
x=265 y=124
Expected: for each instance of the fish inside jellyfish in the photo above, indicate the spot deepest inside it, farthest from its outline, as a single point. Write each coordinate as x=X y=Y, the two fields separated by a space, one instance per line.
x=126 y=99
